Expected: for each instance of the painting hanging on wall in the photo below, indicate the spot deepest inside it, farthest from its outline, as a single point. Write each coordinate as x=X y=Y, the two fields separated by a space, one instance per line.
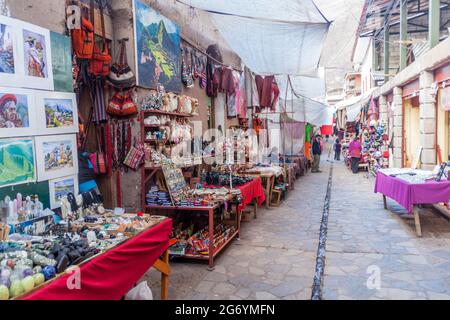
x=17 y=165
x=9 y=54
x=61 y=62
x=60 y=188
x=56 y=156
x=57 y=113
x=35 y=55
x=17 y=113
x=158 y=52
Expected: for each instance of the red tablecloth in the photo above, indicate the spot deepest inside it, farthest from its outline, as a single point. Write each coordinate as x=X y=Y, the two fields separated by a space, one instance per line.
x=111 y=275
x=252 y=190
x=408 y=195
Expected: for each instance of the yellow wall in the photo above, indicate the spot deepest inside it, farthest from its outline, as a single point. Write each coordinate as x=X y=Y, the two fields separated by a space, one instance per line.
x=411 y=131
x=443 y=130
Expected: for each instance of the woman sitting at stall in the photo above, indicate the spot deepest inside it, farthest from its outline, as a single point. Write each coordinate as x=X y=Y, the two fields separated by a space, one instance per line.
x=354 y=151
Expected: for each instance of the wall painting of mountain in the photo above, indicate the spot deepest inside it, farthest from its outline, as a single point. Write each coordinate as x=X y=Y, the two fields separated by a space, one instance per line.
x=16 y=161
x=158 y=56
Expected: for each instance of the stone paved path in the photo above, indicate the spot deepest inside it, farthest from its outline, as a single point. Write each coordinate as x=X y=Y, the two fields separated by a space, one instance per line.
x=275 y=258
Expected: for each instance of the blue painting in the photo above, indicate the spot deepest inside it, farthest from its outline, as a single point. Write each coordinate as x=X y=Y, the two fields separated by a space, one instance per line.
x=158 y=55
x=6 y=49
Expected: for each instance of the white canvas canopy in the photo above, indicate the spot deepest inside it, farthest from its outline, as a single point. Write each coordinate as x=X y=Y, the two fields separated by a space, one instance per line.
x=308 y=110
x=271 y=37
x=311 y=87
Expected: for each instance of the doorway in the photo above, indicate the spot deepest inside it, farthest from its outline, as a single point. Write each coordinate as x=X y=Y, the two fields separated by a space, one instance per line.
x=411 y=130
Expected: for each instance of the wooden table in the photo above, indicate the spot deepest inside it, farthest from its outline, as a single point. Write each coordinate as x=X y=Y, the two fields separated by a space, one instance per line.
x=212 y=251
x=269 y=178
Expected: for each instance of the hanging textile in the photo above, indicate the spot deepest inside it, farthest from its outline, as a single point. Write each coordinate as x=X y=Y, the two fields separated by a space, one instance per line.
x=251 y=90
x=268 y=92
x=98 y=101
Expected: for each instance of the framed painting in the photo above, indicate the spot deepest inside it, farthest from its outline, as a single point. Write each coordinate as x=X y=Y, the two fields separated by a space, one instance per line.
x=36 y=58
x=56 y=156
x=60 y=188
x=61 y=62
x=17 y=113
x=57 y=113
x=10 y=67
x=17 y=162
x=158 y=51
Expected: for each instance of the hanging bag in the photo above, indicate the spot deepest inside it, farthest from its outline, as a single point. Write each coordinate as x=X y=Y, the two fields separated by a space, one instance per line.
x=98 y=159
x=83 y=38
x=101 y=59
x=121 y=75
x=122 y=105
x=135 y=157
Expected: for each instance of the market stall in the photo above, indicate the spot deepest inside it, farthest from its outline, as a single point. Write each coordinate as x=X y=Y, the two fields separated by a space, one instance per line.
x=112 y=273
x=411 y=188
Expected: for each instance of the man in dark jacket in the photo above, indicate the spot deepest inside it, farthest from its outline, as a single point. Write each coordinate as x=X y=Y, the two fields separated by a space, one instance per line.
x=316 y=151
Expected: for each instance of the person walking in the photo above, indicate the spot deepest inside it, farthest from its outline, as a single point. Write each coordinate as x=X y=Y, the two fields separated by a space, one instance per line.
x=354 y=149
x=316 y=151
x=337 y=150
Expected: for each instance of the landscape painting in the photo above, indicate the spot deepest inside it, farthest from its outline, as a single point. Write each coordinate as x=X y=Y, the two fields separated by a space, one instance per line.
x=17 y=165
x=57 y=113
x=7 y=62
x=158 y=56
x=56 y=156
x=60 y=188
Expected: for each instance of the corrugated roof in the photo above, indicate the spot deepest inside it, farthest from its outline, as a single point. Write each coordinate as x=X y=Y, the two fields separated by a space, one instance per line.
x=376 y=12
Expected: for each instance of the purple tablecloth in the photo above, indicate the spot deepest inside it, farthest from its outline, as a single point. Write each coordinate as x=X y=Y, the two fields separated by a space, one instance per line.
x=408 y=195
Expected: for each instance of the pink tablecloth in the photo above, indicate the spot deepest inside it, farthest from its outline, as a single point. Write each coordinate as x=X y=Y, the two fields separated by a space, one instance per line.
x=408 y=195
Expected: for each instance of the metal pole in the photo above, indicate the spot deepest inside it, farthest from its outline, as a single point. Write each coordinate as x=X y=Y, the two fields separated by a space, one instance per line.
x=403 y=33
x=386 y=51
x=434 y=22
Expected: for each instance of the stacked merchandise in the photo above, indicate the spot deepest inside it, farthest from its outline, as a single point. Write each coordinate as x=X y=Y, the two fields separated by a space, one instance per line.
x=158 y=198
x=375 y=147
x=197 y=244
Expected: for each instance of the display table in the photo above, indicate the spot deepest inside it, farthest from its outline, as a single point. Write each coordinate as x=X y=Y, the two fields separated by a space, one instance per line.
x=111 y=274
x=250 y=191
x=301 y=162
x=267 y=179
x=410 y=195
x=210 y=212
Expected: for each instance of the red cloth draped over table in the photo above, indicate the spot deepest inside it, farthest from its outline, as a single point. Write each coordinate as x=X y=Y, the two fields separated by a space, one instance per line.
x=250 y=191
x=111 y=275
x=408 y=195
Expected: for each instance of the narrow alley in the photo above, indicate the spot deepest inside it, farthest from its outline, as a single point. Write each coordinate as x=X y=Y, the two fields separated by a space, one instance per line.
x=276 y=256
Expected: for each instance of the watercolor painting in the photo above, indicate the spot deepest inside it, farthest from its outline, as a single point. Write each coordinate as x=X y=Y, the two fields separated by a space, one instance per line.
x=59 y=113
x=60 y=188
x=35 y=54
x=14 y=111
x=56 y=156
x=7 y=62
x=17 y=165
x=158 y=55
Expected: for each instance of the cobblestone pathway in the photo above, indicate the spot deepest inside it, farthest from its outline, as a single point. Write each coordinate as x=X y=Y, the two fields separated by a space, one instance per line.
x=275 y=258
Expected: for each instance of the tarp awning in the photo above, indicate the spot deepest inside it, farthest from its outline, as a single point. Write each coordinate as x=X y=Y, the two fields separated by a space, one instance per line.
x=271 y=37
x=308 y=110
x=311 y=87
